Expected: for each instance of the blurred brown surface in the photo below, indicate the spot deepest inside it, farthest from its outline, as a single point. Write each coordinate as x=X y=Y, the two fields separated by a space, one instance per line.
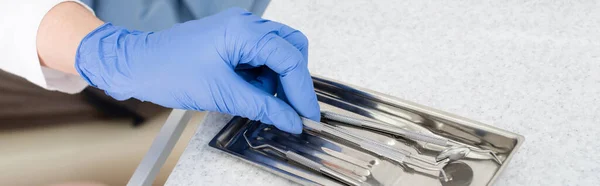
x=106 y=151
x=25 y=105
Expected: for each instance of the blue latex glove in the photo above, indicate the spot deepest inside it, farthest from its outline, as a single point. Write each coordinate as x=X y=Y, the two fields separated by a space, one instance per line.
x=232 y=62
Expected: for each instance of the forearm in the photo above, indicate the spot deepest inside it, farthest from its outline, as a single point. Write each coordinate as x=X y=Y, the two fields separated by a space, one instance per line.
x=60 y=32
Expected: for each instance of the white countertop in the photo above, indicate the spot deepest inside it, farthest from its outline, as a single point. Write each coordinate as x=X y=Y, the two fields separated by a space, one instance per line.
x=528 y=67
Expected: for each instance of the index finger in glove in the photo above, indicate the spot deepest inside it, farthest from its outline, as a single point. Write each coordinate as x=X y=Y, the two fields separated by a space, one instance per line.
x=287 y=61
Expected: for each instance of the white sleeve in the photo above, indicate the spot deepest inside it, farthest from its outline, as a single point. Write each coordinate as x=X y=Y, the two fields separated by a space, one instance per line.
x=20 y=21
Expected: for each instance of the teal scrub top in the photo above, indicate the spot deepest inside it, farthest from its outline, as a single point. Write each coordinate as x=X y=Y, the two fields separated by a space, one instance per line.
x=155 y=15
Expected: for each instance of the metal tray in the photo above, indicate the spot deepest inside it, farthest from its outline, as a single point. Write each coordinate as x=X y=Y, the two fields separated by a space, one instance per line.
x=362 y=165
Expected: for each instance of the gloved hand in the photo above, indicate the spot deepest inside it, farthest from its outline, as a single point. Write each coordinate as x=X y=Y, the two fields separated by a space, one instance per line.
x=232 y=62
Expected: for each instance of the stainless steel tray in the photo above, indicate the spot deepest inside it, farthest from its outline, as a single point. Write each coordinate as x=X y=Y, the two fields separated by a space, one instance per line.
x=327 y=157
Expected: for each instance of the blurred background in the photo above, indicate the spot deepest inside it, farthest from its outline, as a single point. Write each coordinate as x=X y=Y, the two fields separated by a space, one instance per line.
x=105 y=151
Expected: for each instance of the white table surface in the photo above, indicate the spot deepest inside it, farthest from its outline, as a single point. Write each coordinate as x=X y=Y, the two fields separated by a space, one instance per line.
x=528 y=67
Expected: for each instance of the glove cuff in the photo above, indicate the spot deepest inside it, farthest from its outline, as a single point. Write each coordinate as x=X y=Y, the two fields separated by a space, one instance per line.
x=101 y=62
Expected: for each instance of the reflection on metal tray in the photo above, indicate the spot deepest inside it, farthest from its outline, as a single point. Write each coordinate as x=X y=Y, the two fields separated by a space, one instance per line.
x=366 y=138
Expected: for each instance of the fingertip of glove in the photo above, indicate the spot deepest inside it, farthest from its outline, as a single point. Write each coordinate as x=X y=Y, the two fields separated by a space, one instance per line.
x=287 y=121
x=310 y=110
x=297 y=127
x=314 y=111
